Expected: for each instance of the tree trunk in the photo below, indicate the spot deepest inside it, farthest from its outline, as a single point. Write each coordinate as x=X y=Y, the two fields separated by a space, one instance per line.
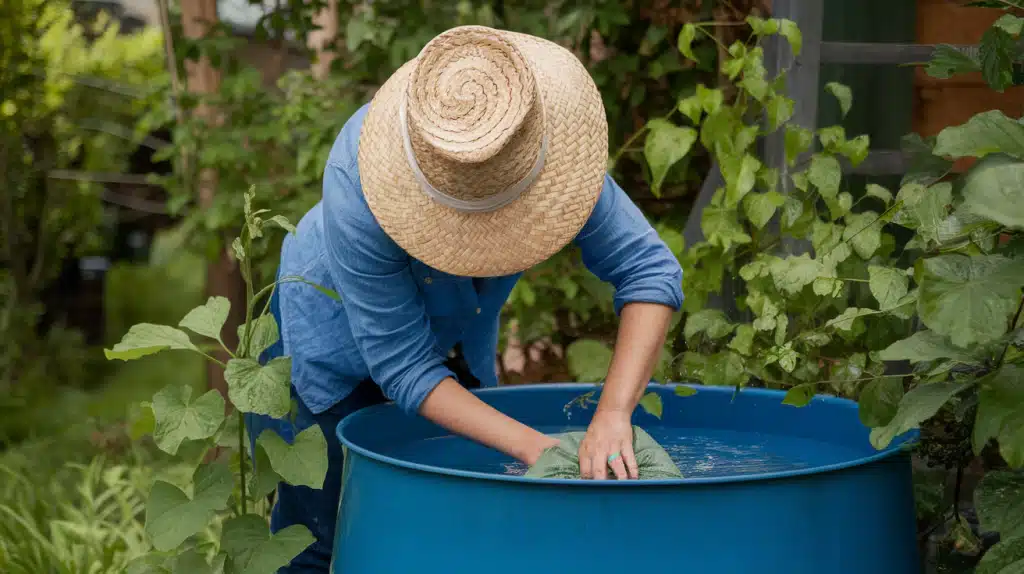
x=322 y=41
x=222 y=275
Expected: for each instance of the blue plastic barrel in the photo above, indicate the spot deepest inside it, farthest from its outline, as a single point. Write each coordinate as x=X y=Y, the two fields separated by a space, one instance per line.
x=417 y=501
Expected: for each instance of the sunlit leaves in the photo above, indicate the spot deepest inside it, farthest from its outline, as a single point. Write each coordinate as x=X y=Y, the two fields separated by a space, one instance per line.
x=721 y=227
x=263 y=334
x=686 y=37
x=888 y=285
x=918 y=405
x=712 y=323
x=173 y=516
x=825 y=174
x=985 y=133
x=760 y=207
x=843 y=94
x=177 y=418
x=145 y=339
x=792 y=274
x=969 y=299
x=208 y=319
x=740 y=177
x=302 y=463
x=260 y=389
x=864 y=233
x=797 y=141
x=993 y=190
x=665 y=145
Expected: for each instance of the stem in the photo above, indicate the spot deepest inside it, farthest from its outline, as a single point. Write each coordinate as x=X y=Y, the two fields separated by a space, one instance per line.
x=1013 y=325
x=241 y=454
x=212 y=358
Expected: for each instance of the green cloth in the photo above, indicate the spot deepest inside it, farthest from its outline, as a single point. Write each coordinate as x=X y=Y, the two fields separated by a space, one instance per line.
x=563 y=461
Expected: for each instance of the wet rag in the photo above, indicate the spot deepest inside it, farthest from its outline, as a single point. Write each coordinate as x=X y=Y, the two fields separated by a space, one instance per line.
x=562 y=461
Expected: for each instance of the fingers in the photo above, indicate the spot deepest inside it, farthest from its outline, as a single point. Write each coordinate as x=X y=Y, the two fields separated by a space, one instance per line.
x=586 y=466
x=618 y=467
x=630 y=457
x=599 y=464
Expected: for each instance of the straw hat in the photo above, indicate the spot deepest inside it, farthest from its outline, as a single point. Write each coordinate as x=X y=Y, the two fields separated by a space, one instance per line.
x=486 y=153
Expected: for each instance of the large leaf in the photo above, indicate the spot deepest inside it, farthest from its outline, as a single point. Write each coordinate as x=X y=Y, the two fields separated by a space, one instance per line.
x=1007 y=557
x=721 y=227
x=888 y=285
x=760 y=207
x=172 y=516
x=588 y=360
x=792 y=274
x=864 y=232
x=999 y=500
x=178 y=418
x=146 y=338
x=302 y=463
x=917 y=406
x=263 y=334
x=254 y=550
x=208 y=319
x=260 y=389
x=992 y=190
x=931 y=210
x=969 y=299
x=1001 y=413
x=711 y=322
x=925 y=346
x=825 y=174
x=985 y=133
x=880 y=401
x=665 y=145
x=262 y=480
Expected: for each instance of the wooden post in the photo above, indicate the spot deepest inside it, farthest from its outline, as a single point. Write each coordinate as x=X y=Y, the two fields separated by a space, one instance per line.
x=222 y=275
x=322 y=41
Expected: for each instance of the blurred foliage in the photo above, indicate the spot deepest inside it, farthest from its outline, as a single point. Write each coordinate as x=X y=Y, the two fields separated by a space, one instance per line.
x=69 y=96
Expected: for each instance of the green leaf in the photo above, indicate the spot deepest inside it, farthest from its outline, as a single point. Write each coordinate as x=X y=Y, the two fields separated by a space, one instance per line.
x=879 y=401
x=260 y=389
x=712 y=322
x=1006 y=557
x=743 y=341
x=992 y=190
x=302 y=463
x=686 y=37
x=843 y=94
x=1011 y=24
x=779 y=110
x=264 y=334
x=969 y=299
x=864 y=233
x=875 y=190
x=665 y=145
x=800 y=395
x=846 y=319
x=784 y=355
x=721 y=227
x=789 y=30
x=588 y=360
x=888 y=285
x=797 y=141
x=997 y=52
x=208 y=319
x=760 y=207
x=295 y=278
x=282 y=222
x=792 y=274
x=254 y=550
x=931 y=210
x=172 y=516
x=999 y=501
x=740 y=177
x=1001 y=413
x=651 y=402
x=684 y=391
x=262 y=480
x=985 y=133
x=925 y=346
x=178 y=418
x=825 y=174
x=947 y=62
x=691 y=107
x=711 y=99
x=763 y=27
x=917 y=406
x=725 y=369
x=145 y=339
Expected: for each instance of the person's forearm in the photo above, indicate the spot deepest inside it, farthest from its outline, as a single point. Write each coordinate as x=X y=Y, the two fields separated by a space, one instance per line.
x=641 y=336
x=458 y=410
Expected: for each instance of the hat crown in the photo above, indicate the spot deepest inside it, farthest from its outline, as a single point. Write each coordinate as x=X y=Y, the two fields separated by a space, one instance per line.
x=474 y=117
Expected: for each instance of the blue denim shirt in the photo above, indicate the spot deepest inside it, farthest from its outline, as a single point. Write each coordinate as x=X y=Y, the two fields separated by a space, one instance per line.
x=398 y=318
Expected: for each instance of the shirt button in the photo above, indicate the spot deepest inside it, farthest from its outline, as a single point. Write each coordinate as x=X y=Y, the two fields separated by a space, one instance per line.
x=478 y=310
x=428 y=280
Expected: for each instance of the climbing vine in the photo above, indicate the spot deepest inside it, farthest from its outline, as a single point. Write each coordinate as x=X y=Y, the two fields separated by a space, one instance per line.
x=211 y=522
x=908 y=300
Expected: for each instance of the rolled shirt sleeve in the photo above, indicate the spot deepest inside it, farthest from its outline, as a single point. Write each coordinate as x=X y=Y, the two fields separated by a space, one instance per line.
x=621 y=247
x=386 y=313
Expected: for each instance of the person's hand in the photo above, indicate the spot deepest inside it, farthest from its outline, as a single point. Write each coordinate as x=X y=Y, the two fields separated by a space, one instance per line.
x=610 y=435
x=538 y=444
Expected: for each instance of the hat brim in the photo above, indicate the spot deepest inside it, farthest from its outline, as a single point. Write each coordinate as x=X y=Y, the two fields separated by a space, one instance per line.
x=532 y=228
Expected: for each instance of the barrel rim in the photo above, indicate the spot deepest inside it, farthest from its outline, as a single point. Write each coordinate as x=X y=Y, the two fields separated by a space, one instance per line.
x=898 y=445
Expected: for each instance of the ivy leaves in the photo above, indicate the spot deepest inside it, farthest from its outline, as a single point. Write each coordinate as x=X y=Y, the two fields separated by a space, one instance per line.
x=666 y=144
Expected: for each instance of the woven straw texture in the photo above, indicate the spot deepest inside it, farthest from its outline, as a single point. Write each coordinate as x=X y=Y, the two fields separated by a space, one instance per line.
x=479 y=102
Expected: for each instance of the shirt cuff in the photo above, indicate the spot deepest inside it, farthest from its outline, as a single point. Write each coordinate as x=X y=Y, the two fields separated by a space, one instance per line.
x=665 y=293
x=419 y=384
